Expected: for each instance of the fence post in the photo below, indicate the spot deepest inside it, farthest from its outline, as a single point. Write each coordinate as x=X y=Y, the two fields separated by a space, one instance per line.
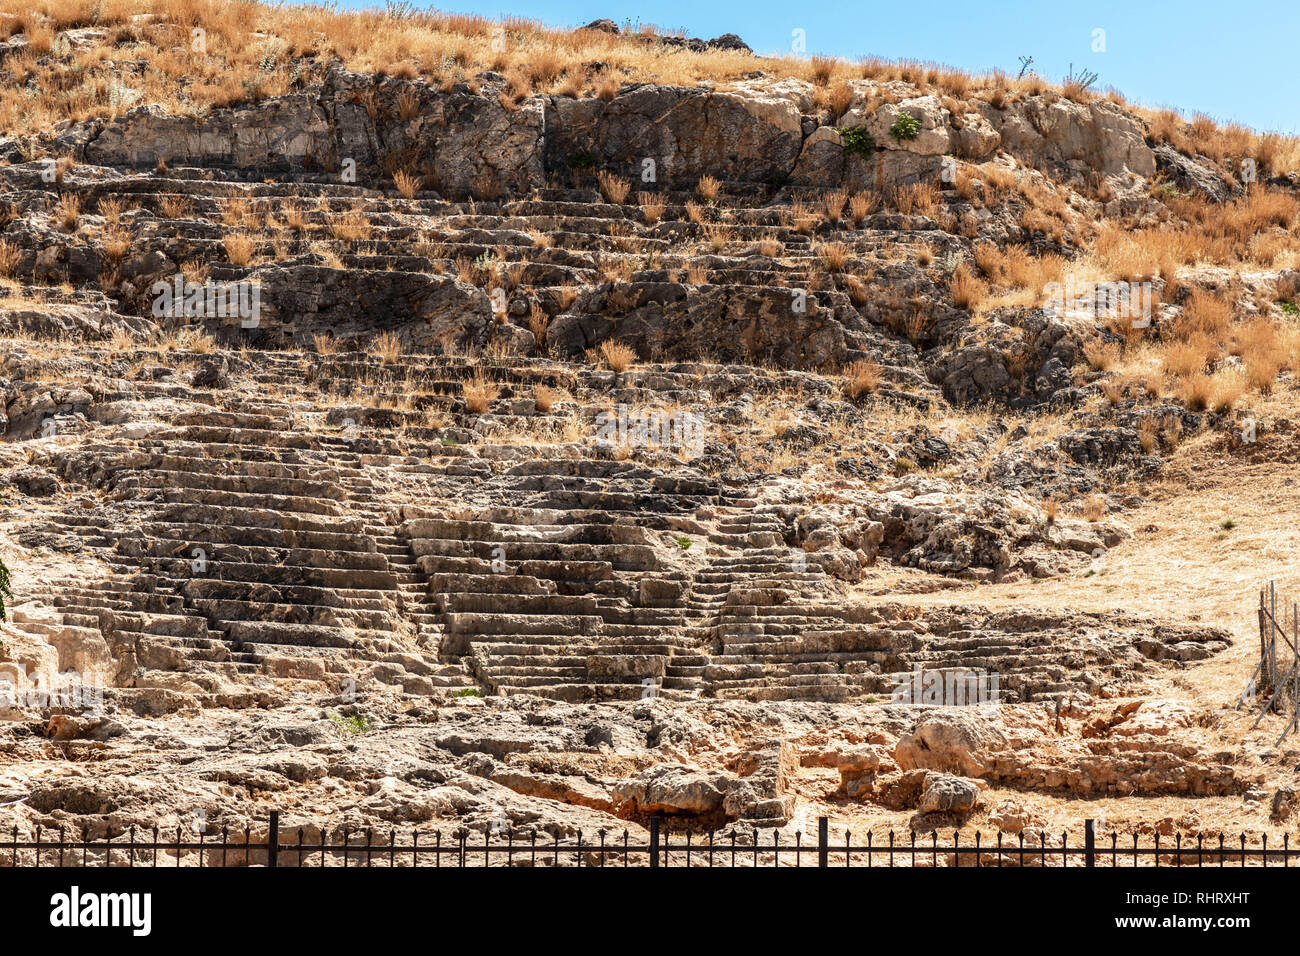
x=273 y=840
x=654 y=841
x=1089 y=843
x=823 y=841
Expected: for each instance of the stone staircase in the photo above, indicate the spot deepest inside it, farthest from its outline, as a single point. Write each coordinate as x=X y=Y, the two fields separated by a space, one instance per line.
x=251 y=544
x=321 y=518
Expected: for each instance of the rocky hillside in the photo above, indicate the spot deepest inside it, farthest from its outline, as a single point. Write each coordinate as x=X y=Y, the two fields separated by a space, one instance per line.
x=576 y=426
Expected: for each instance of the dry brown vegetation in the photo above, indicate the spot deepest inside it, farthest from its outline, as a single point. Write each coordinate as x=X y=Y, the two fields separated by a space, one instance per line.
x=387 y=346
x=617 y=356
x=407 y=185
x=613 y=188
x=861 y=378
x=480 y=393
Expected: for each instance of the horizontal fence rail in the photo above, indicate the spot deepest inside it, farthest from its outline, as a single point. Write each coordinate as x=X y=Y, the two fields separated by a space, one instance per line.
x=293 y=848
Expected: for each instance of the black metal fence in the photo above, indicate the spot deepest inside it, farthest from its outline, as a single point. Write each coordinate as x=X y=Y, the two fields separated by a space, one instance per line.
x=277 y=847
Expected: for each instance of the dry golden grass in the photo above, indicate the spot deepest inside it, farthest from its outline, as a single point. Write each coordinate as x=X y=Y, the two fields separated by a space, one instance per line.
x=325 y=344
x=111 y=208
x=387 y=346
x=1184 y=358
x=116 y=244
x=834 y=256
x=175 y=207
x=717 y=235
x=480 y=392
x=1102 y=356
x=545 y=397
x=708 y=188
x=862 y=205
x=294 y=217
x=407 y=184
x=861 y=378
x=613 y=188
x=538 y=323
x=1050 y=509
x=617 y=356
x=9 y=259
x=239 y=248
x=196 y=340
x=859 y=293
x=966 y=289
x=1196 y=390
x=351 y=226
x=832 y=204
x=67 y=212
x=921 y=199
x=652 y=207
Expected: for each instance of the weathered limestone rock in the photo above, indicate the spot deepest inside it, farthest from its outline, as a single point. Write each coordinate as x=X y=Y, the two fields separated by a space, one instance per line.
x=423 y=310
x=953 y=740
x=1049 y=129
x=944 y=793
x=671 y=789
x=687 y=132
x=286 y=131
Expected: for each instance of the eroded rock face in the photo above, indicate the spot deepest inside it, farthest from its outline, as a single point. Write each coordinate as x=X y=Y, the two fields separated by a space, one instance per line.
x=757 y=131
x=1052 y=130
x=286 y=131
x=789 y=327
x=669 y=789
x=951 y=740
x=423 y=310
x=687 y=132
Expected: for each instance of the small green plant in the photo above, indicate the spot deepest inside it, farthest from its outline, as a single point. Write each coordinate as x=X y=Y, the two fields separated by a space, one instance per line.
x=906 y=127
x=857 y=140
x=468 y=692
x=1170 y=191
x=352 y=723
x=1290 y=308
x=1227 y=524
x=684 y=542
x=5 y=593
x=582 y=160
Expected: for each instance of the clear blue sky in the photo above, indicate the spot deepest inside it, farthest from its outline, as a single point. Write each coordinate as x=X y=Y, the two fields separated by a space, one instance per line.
x=1232 y=60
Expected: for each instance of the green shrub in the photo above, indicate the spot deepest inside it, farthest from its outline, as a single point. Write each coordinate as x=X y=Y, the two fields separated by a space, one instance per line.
x=905 y=127
x=355 y=724
x=857 y=141
x=5 y=593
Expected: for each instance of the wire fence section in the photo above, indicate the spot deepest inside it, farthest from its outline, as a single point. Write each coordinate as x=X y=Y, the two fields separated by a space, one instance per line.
x=274 y=846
